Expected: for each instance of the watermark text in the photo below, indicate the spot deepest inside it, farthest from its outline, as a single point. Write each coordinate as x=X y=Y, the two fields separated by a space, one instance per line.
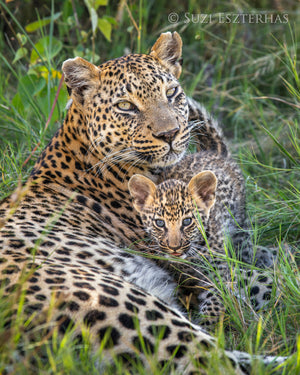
x=255 y=18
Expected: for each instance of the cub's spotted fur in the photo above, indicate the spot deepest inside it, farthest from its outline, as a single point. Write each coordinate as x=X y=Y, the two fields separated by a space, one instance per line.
x=190 y=220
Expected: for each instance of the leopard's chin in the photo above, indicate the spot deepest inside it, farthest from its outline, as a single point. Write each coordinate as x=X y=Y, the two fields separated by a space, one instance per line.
x=169 y=159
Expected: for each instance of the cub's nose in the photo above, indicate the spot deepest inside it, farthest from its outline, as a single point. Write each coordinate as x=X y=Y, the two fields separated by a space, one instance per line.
x=175 y=251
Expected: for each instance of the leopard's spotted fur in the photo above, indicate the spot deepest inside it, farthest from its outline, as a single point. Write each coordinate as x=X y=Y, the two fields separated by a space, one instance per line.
x=64 y=233
x=191 y=219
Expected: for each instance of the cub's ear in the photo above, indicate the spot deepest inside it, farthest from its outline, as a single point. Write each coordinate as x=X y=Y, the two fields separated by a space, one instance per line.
x=80 y=77
x=202 y=188
x=167 y=49
x=142 y=189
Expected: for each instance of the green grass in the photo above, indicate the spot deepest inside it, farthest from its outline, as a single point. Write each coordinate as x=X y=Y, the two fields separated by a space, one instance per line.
x=246 y=75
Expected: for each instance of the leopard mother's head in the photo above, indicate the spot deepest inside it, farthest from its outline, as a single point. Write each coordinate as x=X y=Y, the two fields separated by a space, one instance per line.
x=132 y=109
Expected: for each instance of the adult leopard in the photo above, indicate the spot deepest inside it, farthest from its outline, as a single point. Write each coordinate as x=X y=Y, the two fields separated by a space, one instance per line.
x=64 y=233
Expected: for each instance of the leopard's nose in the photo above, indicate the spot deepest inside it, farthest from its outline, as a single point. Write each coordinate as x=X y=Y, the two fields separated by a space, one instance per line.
x=167 y=136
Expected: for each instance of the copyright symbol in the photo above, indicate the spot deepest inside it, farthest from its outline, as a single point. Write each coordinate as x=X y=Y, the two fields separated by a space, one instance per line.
x=173 y=17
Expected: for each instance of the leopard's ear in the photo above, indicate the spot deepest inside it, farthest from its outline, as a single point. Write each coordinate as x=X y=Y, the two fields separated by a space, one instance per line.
x=203 y=188
x=80 y=77
x=142 y=189
x=167 y=49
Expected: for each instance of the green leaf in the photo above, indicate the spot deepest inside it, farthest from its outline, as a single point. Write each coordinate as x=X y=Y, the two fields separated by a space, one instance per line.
x=18 y=103
x=31 y=85
x=22 y=39
x=33 y=71
x=43 y=47
x=100 y=3
x=88 y=4
x=94 y=18
x=111 y=20
x=33 y=26
x=28 y=87
x=21 y=52
x=105 y=28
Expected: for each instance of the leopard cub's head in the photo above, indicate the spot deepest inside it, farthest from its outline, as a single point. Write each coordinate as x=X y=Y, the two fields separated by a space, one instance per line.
x=171 y=210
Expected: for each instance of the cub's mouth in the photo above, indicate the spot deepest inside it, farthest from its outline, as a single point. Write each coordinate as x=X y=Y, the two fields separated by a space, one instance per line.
x=180 y=252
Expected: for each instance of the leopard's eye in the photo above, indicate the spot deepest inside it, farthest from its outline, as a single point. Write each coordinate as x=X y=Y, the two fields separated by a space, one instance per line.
x=171 y=92
x=187 y=221
x=126 y=106
x=159 y=223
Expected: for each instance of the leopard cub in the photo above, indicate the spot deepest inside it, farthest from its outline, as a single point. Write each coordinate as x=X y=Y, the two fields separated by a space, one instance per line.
x=171 y=213
x=168 y=211
x=176 y=215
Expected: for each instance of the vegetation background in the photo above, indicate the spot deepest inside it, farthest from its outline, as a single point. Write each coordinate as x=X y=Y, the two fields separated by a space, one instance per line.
x=245 y=73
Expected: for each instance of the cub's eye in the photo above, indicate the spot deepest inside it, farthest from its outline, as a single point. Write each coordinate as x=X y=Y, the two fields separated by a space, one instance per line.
x=186 y=222
x=159 y=223
x=171 y=92
x=126 y=106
